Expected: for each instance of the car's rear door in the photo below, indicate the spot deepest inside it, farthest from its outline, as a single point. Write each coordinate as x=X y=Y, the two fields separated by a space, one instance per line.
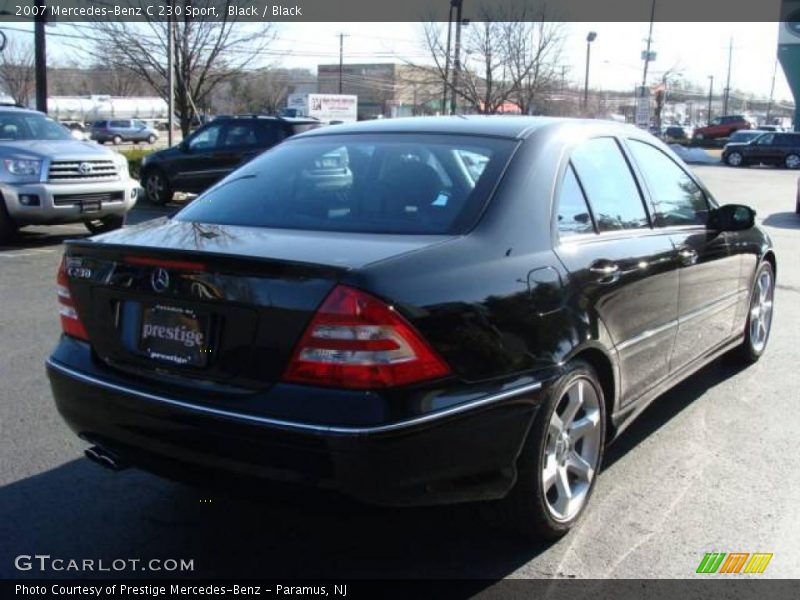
x=621 y=268
x=709 y=271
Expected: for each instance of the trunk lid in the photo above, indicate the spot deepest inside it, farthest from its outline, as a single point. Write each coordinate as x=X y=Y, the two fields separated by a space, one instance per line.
x=209 y=304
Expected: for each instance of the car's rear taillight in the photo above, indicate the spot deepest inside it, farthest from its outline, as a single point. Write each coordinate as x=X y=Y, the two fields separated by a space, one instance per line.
x=357 y=341
x=70 y=322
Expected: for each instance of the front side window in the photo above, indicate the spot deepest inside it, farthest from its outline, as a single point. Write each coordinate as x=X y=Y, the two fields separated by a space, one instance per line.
x=677 y=199
x=609 y=185
x=387 y=183
x=206 y=139
x=572 y=213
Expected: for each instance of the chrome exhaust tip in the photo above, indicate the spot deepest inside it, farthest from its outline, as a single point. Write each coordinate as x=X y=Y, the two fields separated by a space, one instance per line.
x=104 y=458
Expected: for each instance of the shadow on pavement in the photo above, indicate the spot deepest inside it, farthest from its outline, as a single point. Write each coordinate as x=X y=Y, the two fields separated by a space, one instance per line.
x=80 y=511
x=783 y=220
x=670 y=404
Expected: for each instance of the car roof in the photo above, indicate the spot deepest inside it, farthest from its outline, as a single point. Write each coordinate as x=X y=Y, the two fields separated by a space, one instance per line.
x=513 y=127
x=300 y=120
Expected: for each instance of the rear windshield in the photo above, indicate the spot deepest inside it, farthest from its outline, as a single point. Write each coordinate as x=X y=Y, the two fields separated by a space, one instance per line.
x=390 y=183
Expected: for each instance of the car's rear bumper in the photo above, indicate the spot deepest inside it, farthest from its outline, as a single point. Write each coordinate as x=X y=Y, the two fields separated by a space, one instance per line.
x=61 y=203
x=463 y=453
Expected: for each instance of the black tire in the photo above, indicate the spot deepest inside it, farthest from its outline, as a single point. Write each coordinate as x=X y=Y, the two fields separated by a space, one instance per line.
x=156 y=186
x=116 y=140
x=792 y=161
x=526 y=508
x=151 y=139
x=753 y=348
x=106 y=224
x=8 y=228
x=735 y=159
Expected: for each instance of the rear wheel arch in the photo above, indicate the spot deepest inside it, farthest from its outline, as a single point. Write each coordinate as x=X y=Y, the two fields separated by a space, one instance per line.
x=769 y=256
x=604 y=368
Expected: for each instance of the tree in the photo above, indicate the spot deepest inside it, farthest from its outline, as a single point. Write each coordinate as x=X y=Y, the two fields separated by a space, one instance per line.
x=507 y=55
x=207 y=52
x=262 y=90
x=16 y=71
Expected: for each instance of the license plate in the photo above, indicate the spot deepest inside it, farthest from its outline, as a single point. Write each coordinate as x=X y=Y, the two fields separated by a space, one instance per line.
x=90 y=206
x=174 y=335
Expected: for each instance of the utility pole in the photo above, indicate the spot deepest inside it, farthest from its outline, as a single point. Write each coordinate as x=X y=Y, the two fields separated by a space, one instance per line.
x=772 y=90
x=170 y=77
x=341 y=59
x=40 y=59
x=649 y=42
x=590 y=37
x=447 y=60
x=710 y=94
x=728 y=82
x=456 y=57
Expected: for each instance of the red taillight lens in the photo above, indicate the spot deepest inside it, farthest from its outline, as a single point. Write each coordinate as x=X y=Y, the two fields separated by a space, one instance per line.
x=70 y=322
x=357 y=341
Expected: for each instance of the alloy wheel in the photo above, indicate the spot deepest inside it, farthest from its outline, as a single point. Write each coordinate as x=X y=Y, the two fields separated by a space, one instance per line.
x=154 y=186
x=761 y=311
x=735 y=159
x=572 y=450
x=792 y=161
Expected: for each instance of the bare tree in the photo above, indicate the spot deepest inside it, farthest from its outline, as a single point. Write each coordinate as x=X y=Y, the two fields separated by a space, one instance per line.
x=261 y=90
x=16 y=71
x=534 y=52
x=509 y=54
x=207 y=52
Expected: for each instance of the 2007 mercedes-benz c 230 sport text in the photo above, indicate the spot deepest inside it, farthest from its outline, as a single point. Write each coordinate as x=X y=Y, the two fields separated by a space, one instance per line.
x=411 y=312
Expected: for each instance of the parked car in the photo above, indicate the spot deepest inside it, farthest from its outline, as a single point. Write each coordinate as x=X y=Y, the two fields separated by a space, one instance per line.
x=359 y=310
x=117 y=131
x=677 y=133
x=213 y=151
x=722 y=127
x=779 y=149
x=47 y=177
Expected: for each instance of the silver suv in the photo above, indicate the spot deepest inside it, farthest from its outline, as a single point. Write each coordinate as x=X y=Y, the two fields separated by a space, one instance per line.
x=47 y=177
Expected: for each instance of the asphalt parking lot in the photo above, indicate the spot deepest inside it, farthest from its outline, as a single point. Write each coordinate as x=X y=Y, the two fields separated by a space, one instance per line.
x=712 y=466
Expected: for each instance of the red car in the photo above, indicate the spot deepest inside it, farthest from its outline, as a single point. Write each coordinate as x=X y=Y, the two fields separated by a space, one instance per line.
x=722 y=127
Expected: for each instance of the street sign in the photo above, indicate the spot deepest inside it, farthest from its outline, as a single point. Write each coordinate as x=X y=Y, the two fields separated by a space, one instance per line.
x=648 y=56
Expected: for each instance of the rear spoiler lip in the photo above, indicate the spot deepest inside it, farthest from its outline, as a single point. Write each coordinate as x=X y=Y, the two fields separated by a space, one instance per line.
x=242 y=264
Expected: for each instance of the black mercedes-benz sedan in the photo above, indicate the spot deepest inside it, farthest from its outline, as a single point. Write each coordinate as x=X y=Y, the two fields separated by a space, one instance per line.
x=411 y=312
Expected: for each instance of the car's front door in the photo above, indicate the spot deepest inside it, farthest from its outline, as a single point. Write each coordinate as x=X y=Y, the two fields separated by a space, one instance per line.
x=197 y=168
x=624 y=270
x=709 y=271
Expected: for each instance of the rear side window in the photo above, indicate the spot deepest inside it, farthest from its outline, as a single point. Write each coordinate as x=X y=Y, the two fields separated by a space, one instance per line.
x=240 y=135
x=572 y=211
x=388 y=183
x=609 y=185
x=122 y=124
x=677 y=200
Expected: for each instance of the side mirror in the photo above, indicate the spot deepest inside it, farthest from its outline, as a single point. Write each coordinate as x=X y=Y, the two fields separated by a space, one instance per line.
x=732 y=217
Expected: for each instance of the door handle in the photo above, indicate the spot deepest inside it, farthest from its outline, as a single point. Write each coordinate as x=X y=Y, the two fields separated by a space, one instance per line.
x=687 y=256
x=608 y=271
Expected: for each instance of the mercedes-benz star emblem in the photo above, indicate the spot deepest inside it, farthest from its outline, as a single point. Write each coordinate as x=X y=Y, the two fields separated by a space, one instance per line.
x=159 y=279
x=85 y=168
